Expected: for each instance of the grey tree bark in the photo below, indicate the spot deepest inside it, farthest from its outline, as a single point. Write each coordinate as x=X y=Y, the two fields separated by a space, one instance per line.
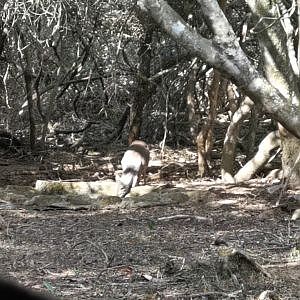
x=224 y=53
x=278 y=89
x=281 y=67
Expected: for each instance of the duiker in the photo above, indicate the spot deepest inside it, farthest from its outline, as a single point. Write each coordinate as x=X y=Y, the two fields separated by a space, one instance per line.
x=134 y=163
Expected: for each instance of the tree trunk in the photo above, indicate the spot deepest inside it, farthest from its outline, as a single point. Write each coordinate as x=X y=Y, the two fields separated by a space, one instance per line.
x=249 y=139
x=191 y=115
x=203 y=167
x=228 y=153
x=28 y=79
x=232 y=98
x=143 y=92
x=282 y=70
x=32 y=131
x=270 y=142
x=205 y=136
x=225 y=54
x=290 y=157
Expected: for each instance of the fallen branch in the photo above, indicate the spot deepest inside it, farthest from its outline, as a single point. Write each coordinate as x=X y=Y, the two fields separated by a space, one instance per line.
x=283 y=265
x=206 y=294
x=267 y=295
x=180 y=217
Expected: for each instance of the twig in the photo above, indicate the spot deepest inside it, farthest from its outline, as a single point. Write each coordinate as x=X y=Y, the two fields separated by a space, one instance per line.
x=283 y=265
x=179 y=217
x=112 y=268
x=206 y=294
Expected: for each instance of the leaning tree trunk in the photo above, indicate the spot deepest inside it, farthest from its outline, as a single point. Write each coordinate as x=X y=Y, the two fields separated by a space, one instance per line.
x=225 y=54
x=270 y=142
x=282 y=70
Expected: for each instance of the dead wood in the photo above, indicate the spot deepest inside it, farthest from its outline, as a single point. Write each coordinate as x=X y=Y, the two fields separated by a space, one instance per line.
x=271 y=141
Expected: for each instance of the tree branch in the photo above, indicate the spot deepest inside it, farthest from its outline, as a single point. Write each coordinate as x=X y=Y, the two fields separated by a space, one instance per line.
x=217 y=21
x=226 y=56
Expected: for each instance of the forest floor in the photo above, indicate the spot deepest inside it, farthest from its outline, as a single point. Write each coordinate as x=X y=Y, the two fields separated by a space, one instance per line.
x=160 y=252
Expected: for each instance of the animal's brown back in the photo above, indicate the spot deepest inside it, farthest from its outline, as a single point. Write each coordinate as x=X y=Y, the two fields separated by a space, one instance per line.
x=140 y=149
x=134 y=163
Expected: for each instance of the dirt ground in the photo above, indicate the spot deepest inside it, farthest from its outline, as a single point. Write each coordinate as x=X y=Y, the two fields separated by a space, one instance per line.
x=161 y=252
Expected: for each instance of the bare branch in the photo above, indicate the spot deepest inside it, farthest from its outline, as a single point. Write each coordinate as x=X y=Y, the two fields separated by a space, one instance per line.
x=227 y=58
x=216 y=21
